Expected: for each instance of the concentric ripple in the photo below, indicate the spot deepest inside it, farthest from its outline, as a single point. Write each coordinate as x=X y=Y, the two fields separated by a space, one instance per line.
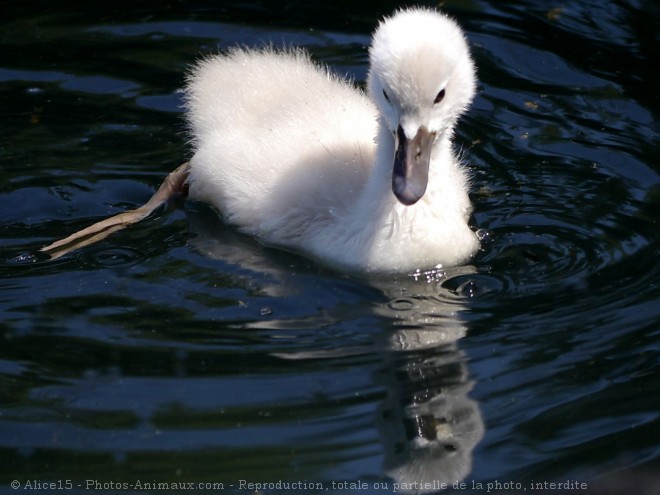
x=113 y=257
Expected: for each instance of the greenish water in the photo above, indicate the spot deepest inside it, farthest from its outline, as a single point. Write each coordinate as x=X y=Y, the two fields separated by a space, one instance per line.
x=180 y=351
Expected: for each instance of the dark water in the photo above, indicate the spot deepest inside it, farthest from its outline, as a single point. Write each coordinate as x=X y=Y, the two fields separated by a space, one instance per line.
x=179 y=351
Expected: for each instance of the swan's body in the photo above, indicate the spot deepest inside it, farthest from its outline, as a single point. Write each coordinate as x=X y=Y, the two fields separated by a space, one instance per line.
x=303 y=160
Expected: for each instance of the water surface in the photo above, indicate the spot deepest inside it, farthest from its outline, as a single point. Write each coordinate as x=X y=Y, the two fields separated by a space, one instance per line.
x=181 y=351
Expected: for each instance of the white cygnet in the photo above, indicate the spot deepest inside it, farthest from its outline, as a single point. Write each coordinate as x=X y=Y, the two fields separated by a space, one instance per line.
x=303 y=160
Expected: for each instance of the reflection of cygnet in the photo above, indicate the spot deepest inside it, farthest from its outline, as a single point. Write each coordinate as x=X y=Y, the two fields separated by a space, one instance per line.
x=428 y=423
x=436 y=441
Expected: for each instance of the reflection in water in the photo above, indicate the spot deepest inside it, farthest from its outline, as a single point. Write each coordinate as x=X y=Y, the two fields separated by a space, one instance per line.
x=428 y=424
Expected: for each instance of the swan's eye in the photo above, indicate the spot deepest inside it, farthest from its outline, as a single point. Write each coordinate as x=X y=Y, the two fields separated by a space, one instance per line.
x=386 y=97
x=439 y=97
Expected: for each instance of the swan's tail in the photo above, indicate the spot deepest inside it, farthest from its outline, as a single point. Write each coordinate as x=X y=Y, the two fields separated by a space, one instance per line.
x=174 y=184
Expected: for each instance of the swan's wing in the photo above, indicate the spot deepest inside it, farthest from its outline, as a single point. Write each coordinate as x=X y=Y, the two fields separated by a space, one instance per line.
x=279 y=141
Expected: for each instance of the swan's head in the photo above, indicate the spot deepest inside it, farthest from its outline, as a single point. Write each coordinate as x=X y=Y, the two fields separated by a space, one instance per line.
x=421 y=78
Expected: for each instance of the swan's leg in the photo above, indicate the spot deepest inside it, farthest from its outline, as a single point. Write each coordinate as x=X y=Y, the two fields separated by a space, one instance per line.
x=174 y=184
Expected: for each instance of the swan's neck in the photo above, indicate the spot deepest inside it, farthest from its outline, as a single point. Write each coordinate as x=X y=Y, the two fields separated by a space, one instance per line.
x=378 y=203
x=433 y=230
x=378 y=195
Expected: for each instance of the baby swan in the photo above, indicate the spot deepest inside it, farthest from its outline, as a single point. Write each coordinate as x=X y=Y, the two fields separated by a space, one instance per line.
x=302 y=160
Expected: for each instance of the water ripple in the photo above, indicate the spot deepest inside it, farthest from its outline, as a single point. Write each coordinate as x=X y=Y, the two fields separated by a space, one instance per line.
x=114 y=257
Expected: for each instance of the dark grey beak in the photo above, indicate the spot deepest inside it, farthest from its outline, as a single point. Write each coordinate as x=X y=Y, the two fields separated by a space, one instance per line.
x=411 y=165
